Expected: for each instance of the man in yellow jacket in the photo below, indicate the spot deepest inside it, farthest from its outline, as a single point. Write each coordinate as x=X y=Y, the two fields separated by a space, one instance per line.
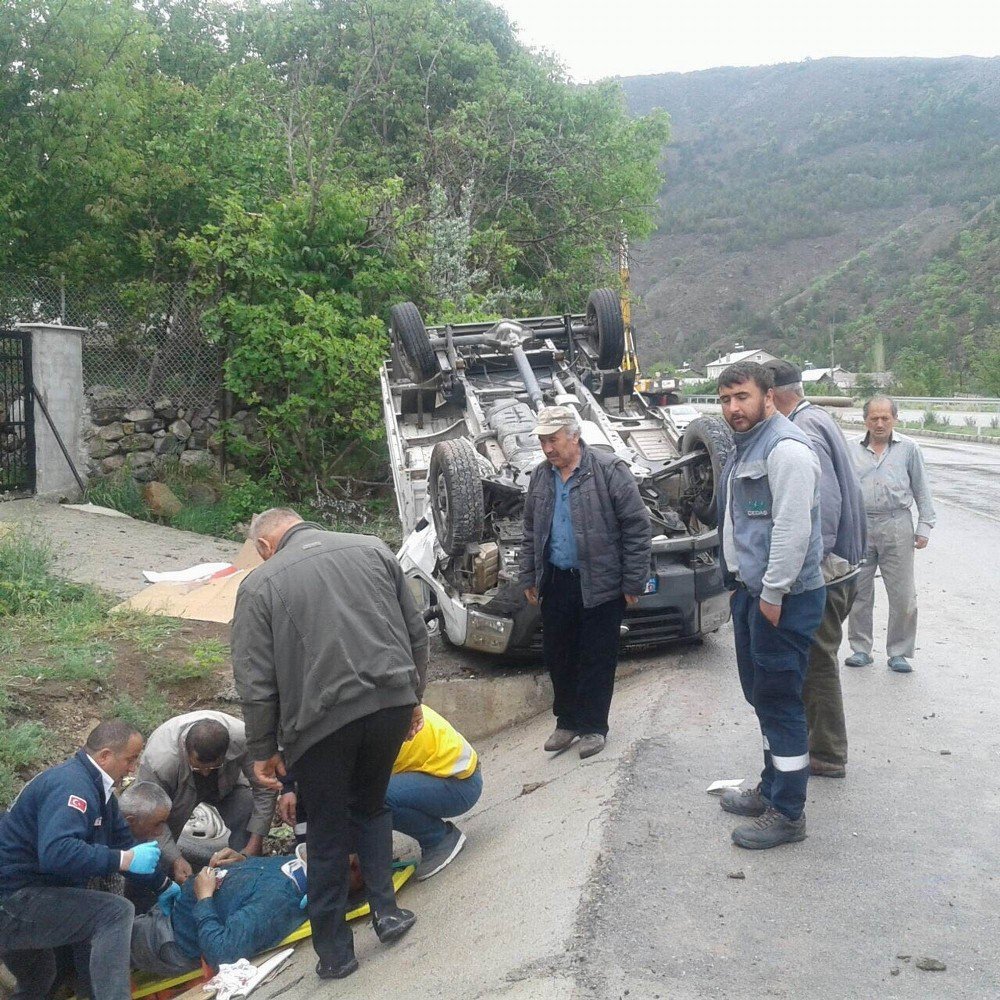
x=435 y=778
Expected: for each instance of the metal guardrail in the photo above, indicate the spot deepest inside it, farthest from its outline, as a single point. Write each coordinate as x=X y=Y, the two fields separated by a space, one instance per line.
x=958 y=402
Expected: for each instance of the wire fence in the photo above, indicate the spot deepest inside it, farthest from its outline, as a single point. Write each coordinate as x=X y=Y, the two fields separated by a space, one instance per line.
x=144 y=339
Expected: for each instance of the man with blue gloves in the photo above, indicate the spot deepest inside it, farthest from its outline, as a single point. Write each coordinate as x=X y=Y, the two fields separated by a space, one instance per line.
x=64 y=829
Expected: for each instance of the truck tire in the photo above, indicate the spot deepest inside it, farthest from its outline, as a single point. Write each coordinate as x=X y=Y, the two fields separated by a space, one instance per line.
x=712 y=436
x=410 y=335
x=604 y=317
x=456 y=494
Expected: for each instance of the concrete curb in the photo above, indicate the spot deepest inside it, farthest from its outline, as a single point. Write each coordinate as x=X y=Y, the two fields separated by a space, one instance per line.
x=484 y=706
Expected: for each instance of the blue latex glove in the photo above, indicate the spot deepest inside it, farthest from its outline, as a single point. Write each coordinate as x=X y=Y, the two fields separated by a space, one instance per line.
x=145 y=858
x=165 y=901
x=304 y=903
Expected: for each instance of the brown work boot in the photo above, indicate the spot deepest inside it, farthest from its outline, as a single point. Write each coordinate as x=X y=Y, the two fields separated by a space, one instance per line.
x=824 y=769
x=591 y=743
x=559 y=740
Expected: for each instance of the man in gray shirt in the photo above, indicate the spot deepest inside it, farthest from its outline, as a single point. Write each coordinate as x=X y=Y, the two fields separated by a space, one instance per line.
x=772 y=546
x=891 y=469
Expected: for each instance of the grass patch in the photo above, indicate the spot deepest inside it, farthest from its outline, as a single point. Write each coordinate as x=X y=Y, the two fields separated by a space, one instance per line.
x=26 y=586
x=145 y=714
x=119 y=491
x=21 y=747
x=55 y=631
x=231 y=502
x=205 y=657
x=223 y=507
x=206 y=519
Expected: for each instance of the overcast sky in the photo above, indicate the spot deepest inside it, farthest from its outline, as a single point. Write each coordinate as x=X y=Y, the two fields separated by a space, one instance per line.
x=599 y=38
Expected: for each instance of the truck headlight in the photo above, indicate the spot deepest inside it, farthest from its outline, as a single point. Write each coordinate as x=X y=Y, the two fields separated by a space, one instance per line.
x=714 y=612
x=487 y=633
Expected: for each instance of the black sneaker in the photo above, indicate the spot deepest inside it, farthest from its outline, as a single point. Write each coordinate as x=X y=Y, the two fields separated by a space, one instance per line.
x=770 y=830
x=341 y=971
x=745 y=802
x=393 y=925
x=440 y=855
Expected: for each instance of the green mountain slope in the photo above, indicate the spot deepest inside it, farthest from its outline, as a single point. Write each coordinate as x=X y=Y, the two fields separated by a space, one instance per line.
x=823 y=197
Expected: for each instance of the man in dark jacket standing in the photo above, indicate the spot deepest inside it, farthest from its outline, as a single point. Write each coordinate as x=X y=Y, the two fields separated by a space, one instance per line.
x=586 y=554
x=330 y=656
x=845 y=536
x=62 y=830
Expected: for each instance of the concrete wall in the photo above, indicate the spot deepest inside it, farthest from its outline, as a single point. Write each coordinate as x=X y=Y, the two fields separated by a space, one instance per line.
x=57 y=373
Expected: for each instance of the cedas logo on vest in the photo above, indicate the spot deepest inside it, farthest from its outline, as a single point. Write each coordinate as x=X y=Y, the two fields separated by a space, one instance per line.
x=757 y=508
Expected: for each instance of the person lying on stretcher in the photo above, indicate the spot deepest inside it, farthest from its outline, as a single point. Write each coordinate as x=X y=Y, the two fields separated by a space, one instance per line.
x=235 y=908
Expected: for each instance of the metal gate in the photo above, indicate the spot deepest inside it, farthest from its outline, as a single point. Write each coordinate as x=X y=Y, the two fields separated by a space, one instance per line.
x=17 y=411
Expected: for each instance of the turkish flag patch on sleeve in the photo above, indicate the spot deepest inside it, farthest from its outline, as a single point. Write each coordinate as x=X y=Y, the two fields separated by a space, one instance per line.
x=75 y=802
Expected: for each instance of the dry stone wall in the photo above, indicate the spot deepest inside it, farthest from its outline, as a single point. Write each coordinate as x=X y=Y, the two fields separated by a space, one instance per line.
x=143 y=437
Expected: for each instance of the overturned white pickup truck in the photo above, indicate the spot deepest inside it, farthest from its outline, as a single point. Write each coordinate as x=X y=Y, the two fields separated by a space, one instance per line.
x=459 y=404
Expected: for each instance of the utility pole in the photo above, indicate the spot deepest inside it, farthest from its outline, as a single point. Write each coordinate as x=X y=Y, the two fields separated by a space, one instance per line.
x=833 y=363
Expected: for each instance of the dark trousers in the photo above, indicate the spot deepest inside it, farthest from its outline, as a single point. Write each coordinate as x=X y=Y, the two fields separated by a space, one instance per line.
x=236 y=809
x=581 y=652
x=344 y=778
x=821 y=692
x=35 y=921
x=772 y=664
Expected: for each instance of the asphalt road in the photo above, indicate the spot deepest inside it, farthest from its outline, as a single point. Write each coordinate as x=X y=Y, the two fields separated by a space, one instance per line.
x=901 y=859
x=965 y=475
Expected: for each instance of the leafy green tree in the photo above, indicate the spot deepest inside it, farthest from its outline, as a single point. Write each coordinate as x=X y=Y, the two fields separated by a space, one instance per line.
x=296 y=289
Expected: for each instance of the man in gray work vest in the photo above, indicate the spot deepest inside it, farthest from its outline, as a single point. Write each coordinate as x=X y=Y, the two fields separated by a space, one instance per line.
x=893 y=479
x=772 y=547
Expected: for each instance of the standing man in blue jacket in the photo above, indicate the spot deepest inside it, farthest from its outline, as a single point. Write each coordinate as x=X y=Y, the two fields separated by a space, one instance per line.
x=845 y=537
x=772 y=547
x=62 y=830
x=586 y=555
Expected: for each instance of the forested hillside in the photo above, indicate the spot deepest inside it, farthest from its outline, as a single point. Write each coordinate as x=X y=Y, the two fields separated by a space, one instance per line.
x=301 y=165
x=842 y=198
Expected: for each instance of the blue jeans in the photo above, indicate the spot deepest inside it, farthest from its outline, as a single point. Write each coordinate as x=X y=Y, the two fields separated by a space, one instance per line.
x=772 y=663
x=421 y=802
x=38 y=919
